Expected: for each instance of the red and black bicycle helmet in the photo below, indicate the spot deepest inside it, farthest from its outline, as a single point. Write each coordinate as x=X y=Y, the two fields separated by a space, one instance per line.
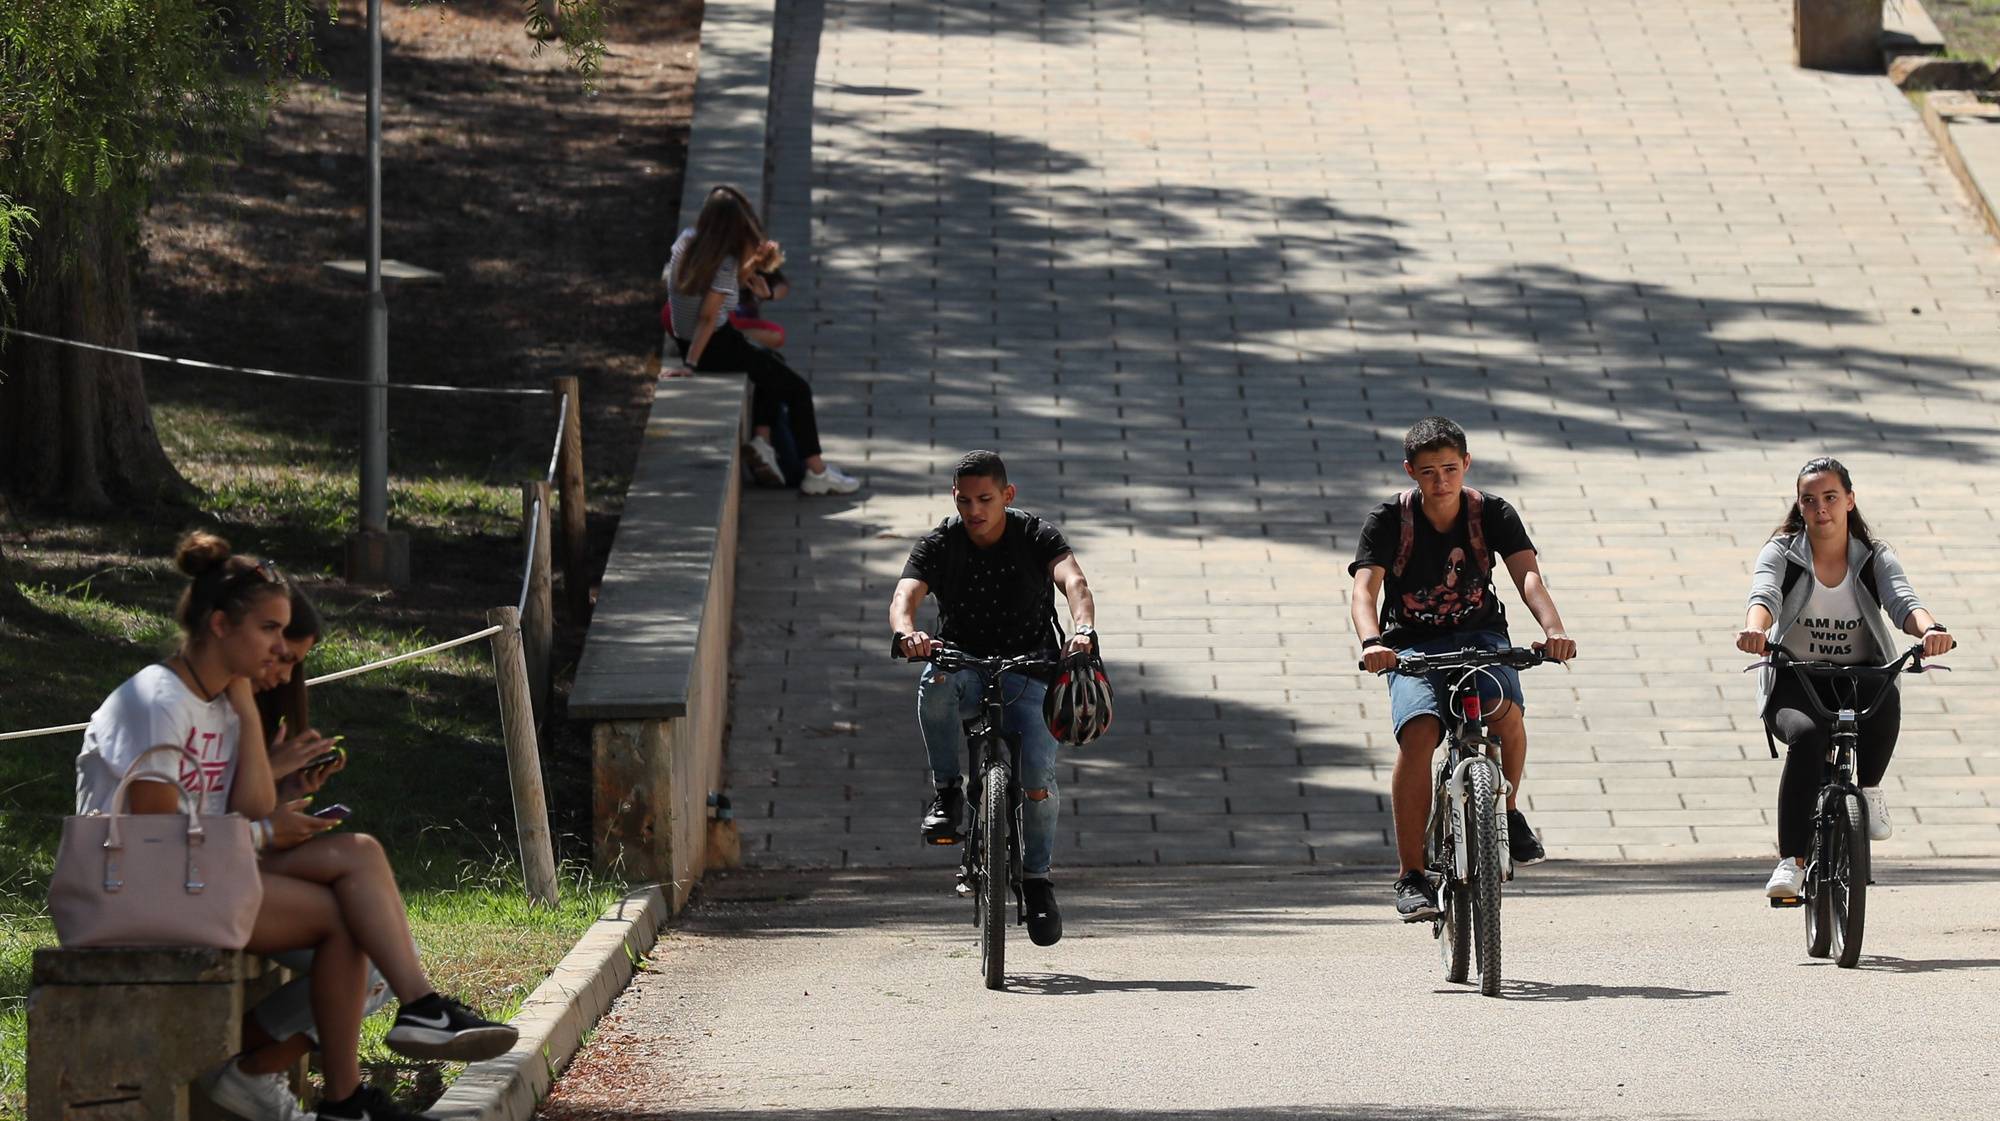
x=1077 y=706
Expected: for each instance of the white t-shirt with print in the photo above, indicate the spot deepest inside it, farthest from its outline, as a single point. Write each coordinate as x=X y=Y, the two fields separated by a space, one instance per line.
x=1831 y=628
x=155 y=707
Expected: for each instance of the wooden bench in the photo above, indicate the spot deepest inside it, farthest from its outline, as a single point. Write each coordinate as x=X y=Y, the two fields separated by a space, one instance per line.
x=118 y=1034
x=654 y=676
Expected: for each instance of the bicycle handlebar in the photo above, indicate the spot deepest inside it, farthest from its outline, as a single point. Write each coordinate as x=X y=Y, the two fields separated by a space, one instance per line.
x=952 y=661
x=1472 y=657
x=1912 y=661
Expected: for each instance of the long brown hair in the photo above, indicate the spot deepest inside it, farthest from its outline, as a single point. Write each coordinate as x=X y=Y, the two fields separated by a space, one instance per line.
x=287 y=702
x=727 y=227
x=1795 y=518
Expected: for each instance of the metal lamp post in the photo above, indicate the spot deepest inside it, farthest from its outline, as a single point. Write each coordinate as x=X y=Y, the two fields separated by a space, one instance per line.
x=375 y=555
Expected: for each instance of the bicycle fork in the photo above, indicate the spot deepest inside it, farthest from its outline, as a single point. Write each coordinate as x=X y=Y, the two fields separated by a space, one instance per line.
x=1455 y=786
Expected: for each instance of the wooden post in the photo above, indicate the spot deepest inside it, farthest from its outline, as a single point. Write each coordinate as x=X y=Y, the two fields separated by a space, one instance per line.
x=524 y=760
x=538 y=613
x=569 y=481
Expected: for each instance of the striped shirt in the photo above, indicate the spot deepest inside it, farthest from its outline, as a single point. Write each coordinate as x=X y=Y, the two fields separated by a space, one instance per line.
x=687 y=308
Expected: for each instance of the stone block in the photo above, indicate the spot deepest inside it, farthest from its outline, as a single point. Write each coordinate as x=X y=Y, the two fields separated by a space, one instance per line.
x=116 y=1034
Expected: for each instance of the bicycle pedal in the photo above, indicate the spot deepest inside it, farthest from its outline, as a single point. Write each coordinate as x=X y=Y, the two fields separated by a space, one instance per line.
x=1794 y=901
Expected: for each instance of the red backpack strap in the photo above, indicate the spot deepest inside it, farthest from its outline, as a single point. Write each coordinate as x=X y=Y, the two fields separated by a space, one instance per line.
x=1408 y=539
x=1475 y=529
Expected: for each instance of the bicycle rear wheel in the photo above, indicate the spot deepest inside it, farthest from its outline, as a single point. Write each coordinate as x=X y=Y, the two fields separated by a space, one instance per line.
x=993 y=875
x=1847 y=881
x=1482 y=838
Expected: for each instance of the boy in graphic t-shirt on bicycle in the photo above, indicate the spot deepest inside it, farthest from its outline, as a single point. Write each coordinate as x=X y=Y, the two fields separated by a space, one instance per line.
x=1427 y=558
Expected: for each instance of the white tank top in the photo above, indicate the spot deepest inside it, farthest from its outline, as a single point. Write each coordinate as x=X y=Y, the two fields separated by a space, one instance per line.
x=1831 y=628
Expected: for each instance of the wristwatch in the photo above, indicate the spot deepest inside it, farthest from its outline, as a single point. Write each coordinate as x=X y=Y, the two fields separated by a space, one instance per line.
x=1375 y=641
x=1938 y=627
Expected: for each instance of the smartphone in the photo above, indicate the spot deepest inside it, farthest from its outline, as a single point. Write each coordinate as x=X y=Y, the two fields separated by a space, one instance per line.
x=326 y=760
x=335 y=812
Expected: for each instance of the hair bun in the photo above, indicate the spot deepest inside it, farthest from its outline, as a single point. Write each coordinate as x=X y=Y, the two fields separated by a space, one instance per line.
x=201 y=552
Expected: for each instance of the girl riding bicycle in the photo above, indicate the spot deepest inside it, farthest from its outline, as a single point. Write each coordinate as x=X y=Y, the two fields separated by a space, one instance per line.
x=1821 y=588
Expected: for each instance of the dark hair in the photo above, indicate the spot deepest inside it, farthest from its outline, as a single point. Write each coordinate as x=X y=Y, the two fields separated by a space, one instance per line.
x=1795 y=518
x=727 y=227
x=306 y=622
x=980 y=465
x=1433 y=433
x=219 y=581
x=288 y=698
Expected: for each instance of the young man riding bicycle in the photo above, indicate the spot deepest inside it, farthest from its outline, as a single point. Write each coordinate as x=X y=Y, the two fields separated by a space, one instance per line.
x=992 y=568
x=1427 y=558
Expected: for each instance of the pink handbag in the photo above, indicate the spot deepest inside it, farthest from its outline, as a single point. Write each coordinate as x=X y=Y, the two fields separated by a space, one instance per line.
x=124 y=879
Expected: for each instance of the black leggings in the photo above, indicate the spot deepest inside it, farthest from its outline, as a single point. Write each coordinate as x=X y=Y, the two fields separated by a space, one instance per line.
x=1791 y=718
x=777 y=385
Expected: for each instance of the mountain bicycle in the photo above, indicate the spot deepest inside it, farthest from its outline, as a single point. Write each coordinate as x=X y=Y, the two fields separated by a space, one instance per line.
x=1838 y=869
x=990 y=868
x=1465 y=844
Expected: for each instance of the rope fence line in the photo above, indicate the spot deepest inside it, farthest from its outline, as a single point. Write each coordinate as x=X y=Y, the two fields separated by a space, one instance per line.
x=562 y=422
x=338 y=675
x=255 y=371
x=528 y=562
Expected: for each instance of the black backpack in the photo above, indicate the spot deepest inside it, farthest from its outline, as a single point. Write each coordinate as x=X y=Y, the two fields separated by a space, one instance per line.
x=1035 y=593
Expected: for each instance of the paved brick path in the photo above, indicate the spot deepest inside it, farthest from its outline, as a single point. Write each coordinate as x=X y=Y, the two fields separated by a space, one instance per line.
x=1193 y=268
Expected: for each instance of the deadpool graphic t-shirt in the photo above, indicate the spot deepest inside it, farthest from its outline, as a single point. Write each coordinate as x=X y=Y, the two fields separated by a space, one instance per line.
x=1443 y=589
x=154 y=707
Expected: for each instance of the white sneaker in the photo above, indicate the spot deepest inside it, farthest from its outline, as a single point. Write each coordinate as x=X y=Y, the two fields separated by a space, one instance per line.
x=1786 y=880
x=253 y=1097
x=764 y=462
x=1879 y=828
x=830 y=481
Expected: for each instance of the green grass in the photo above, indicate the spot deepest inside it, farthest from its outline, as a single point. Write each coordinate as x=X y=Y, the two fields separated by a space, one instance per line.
x=427 y=770
x=1971 y=27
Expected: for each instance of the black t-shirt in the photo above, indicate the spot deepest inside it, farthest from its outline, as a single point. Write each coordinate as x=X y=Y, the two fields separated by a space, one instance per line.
x=1442 y=590
x=999 y=611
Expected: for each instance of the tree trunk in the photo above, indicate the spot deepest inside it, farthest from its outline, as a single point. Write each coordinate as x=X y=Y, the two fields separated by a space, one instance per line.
x=76 y=433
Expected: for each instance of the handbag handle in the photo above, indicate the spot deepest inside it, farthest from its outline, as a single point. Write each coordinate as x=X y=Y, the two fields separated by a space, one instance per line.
x=113 y=844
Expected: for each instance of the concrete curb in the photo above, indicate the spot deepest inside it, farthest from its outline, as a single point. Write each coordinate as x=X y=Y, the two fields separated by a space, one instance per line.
x=554 y=1018
x=1977 y=168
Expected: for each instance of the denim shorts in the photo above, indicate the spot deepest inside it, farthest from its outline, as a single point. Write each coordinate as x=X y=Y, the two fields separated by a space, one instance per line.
x=1411 y=697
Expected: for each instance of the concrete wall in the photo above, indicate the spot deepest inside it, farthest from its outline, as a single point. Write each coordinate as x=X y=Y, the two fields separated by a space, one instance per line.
x=654 y=677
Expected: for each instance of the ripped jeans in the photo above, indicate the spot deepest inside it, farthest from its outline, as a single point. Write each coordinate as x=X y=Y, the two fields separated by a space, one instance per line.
x=946 y=701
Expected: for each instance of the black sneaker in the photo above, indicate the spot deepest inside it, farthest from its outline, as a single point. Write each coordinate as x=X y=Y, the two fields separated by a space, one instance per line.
x=1522 y=842
x=438 y=1027
x=1044 y=917
x=942 y=818
x=366 y=1104
x=1415 y=900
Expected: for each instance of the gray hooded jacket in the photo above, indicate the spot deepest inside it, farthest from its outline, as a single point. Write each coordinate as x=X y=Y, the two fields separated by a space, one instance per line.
x=1781 y=554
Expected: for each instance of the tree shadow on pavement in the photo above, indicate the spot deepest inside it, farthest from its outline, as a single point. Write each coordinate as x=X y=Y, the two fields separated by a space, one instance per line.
x=1066 y=21
x=566 y=1111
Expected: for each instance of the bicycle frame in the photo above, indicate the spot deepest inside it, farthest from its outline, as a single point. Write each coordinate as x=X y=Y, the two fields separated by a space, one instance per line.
x=985 y=742
x=1467 y=745
x=1845 y=722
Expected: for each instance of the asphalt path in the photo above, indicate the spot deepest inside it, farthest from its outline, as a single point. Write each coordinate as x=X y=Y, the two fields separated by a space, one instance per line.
x=1655 y=991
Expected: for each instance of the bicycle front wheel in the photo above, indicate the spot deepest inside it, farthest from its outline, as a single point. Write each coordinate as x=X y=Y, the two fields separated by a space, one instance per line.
x=993 y=876
x=1482 y=838
x=1847 y=880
